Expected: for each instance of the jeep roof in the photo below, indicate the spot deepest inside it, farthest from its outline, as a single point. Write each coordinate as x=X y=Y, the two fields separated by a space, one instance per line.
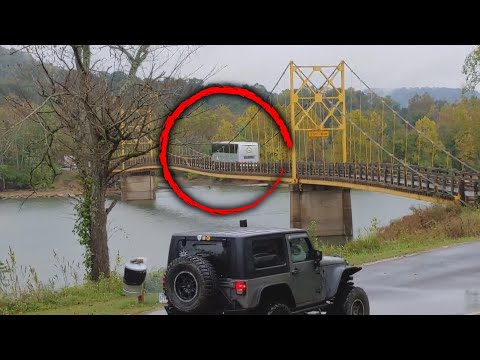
x=240 y=232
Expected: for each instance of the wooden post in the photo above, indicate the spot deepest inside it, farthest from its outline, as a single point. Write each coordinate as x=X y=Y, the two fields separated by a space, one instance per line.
x=141 y=297
x=461 y=190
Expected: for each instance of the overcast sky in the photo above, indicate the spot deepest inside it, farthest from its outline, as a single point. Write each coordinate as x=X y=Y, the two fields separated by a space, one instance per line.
x=381 y=66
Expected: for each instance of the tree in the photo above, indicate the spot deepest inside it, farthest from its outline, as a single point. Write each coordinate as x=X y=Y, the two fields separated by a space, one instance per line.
x=419 y=106
x=225 y=132
x=471 y=69
x=426 y=153
x=455 y=122
x=466 y=147
x=101 y=97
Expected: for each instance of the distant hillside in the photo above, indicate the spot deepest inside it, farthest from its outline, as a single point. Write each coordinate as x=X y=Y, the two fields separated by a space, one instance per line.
x=402 y=95
x=14 y=79
x=18 y=71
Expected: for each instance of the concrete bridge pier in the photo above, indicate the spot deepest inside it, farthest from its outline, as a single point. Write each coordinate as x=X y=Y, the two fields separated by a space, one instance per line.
x=139 y=186
x=329 y=207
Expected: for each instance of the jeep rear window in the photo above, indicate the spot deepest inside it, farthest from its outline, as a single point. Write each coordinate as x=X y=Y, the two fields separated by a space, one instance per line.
x=214 y=250
x=268 y=252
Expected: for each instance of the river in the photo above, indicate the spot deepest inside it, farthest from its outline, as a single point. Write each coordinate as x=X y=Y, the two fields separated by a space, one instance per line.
x=143 y=228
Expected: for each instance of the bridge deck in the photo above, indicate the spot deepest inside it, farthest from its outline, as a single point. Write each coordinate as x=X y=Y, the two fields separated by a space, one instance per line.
x=433 y=185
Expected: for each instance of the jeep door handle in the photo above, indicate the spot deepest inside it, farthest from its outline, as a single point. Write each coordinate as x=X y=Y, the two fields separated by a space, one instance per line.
x=295 y=271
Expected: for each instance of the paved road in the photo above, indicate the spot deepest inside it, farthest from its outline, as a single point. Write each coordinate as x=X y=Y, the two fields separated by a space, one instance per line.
x=445 y=281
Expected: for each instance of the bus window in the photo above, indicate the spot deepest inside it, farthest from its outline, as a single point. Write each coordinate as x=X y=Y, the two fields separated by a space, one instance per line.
x=235 y=152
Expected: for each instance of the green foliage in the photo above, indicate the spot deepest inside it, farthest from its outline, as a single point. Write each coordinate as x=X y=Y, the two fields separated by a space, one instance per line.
x=225 y=132
x=471 y=69
x=40 y=177
x=427 y=228
x=154 y=281
x=82 y=225
x=466 y=147
x=42 y=298
x=419 y=106
x=426 y=154
x=21 y=291
x=3 y=267
x=312 y=232
x=191 y=176
x=459 y=130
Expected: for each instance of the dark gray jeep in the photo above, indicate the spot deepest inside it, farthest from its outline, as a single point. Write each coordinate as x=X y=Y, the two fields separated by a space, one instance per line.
x=257 y=271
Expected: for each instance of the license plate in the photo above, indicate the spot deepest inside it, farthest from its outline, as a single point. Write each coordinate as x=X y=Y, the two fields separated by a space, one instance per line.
x=162 y=299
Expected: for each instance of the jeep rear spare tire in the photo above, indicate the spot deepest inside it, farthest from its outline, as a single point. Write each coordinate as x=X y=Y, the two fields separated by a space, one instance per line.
x=191 y=283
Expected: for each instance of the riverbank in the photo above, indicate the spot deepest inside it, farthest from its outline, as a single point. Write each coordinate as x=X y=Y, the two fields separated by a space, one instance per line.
x=425 y=229
x=30 y=194
x=66 y=185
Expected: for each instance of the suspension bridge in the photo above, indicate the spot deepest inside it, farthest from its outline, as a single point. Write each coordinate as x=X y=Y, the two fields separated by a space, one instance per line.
x=342 y=139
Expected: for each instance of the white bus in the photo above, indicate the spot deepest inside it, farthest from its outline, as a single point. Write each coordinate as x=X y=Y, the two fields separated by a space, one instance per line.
x=240 y=151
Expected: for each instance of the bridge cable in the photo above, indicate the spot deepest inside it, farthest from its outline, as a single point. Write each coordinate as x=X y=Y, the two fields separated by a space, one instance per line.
x=394 y=136
x=313 y=85
x=350 y=137
x=380 y=160
x=360 y=121
x=413 y=127
x=240 y=131
x=406 y=142
x=370 y=126
x=405 y=164
x=289 y=122
x=258 y=110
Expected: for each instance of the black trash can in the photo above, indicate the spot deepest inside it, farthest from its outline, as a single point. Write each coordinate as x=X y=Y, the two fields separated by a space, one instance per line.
x=134 y=277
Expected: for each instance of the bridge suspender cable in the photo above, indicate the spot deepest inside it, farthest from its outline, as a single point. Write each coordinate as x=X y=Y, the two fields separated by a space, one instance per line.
x=312 y=84
x=269 y=96
x=411 y=126
x=248 y=123
x=404 y=163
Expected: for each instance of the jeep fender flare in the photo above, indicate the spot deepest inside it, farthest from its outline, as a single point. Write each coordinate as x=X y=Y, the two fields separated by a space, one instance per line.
x=342 y=276
x=280 y=287
x=349 y=271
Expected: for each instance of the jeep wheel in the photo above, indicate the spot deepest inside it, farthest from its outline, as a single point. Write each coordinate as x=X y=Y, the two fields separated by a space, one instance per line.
x=191 y=282
x=350 y=301
x=277 y=309
x=170 y=310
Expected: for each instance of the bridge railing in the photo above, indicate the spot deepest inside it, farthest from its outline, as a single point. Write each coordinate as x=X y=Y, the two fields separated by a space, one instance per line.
x=445 y=185
x=405 y=178
x=448 y=185
x=206 y=164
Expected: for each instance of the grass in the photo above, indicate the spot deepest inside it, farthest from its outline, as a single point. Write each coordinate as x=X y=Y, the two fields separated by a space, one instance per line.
x=425 y=229
x=117 y=305
x=22 y=293
x=104 y=297
x=392 y=250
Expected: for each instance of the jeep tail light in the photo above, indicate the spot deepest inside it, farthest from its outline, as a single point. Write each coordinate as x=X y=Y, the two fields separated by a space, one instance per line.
x=240 y=287
x=164 y=282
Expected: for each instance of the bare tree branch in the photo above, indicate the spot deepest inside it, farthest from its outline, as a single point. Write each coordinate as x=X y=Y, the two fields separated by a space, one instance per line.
x=103 y=106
